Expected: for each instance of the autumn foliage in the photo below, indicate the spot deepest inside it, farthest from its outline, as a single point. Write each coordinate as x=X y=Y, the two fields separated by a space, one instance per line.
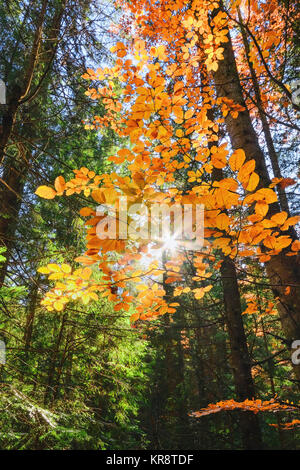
x=160 y=98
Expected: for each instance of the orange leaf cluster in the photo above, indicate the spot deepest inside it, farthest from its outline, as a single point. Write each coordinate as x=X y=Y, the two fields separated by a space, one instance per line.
x=247 y=405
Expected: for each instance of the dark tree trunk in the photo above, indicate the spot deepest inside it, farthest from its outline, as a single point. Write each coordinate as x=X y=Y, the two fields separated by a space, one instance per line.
x=50 y=386
x=30 y=318
x=11 y=191
x=15 y=170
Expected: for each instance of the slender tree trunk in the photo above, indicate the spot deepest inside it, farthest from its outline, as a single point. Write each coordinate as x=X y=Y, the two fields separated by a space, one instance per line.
x=175 y=409
x=199 y=367
x=69 y=367
x=50 y=389
x=265 y=125
x=30 y=318
x=59 y=372
x=271 y=367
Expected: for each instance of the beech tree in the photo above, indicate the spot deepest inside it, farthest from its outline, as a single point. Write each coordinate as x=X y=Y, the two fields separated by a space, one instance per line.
x=172 y=81
x=196 y=104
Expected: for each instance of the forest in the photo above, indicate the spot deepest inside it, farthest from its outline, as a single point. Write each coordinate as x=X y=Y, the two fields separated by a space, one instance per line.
x=149 y=225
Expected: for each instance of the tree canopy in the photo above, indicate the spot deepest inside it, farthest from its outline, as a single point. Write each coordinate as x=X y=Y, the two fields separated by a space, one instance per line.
x=123 y=120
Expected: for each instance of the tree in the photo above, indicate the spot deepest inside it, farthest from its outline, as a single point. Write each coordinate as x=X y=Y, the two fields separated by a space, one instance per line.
x=41 y=63
x=179 y=100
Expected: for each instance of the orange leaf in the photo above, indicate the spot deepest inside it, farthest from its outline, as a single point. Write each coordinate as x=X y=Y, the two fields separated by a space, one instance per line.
x=60 y=184
x=279 y=218
x=296 y=245
x=245 y=171
x=253 y=182
x=285 y=182
x=222 y=221
x=86 y=211
x=237 y=159
x=261 y=208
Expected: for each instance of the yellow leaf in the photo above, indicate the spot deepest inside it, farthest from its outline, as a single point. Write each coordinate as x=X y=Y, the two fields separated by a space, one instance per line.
x=110 y=195
x=139 y=179
x=270 y=242
x=55 y=276
x=186 y=290
x=58 y=306
x=43 y=270
x=218 y=160
x=98 y=196
x=283 y=242
x=86 y=273
x=227 y=183
x=189 y=114
x=266 y=194
x=54 y=268
x=142 y=287
x=291 y=221
x=94 y=296
x=85 y=299
x=45 y=192
x=84 y=260
x=66 y=268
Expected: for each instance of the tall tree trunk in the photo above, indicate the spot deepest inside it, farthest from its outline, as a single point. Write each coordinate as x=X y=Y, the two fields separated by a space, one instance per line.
x=240 y=358
x=20 y=93
x=14 y=173
x=11 y=191
x=282 y=271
